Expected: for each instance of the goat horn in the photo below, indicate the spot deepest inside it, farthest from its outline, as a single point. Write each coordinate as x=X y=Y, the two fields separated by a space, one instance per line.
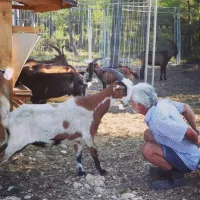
x=96 y=59
x=114 y=72
x=57 y=49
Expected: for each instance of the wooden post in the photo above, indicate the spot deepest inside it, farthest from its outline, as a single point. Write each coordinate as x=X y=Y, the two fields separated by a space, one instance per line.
x=6 y=48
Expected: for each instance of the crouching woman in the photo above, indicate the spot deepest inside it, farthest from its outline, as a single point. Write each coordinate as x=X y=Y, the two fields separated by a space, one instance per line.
x=170 y=143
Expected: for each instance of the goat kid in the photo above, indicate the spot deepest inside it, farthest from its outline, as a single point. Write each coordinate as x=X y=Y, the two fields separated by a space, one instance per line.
x=161 y=59
x=76 y=119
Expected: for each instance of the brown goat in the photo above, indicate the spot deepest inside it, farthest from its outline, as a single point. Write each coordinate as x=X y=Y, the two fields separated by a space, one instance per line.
x=105 y=77
x=129 y=73
x=161 y=59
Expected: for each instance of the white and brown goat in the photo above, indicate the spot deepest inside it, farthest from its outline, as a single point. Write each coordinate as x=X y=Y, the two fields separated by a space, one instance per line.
x=76 y=119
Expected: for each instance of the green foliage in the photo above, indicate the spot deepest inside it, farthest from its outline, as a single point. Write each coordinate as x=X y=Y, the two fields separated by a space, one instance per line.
x=193 y=58
x=190 y=26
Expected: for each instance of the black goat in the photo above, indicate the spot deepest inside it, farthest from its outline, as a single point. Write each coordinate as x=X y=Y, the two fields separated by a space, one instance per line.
x=46 y=85
x=161 y=59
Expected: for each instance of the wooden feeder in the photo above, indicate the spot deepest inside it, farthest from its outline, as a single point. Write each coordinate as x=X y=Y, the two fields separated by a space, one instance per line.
x=17 y=43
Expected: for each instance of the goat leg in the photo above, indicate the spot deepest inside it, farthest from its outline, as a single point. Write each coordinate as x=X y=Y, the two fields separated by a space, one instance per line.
x=142 y=72
x=161 y=72
x=93 y=152
x=165 y=72
x=79 y=166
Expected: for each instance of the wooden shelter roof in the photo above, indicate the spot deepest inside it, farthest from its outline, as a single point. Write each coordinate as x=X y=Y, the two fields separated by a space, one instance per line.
x=44 y=5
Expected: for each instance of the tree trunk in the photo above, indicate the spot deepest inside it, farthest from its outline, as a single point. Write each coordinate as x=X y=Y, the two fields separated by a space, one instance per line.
x=72 y=45
x=50 y=25
x=116 y=34
x=190 y=23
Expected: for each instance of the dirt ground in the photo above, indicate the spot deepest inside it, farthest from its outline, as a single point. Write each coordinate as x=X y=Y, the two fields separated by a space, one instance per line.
x=49 y=174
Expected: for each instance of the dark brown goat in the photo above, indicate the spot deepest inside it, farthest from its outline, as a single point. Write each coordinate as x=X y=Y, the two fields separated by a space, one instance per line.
x=161 y=59
x=59 y=59
x=49 y=81
x=48 y=69
x=105 y=77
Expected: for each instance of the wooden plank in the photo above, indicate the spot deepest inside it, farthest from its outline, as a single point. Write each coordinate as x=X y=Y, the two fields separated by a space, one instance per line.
x=25 y=29
x=45 y=8
x=16 y=104
x=45 y=5
x=22 y=7
x=39 y=8
x=39 y=2
x=6 y=48
x=22 y=98
x=5 y=34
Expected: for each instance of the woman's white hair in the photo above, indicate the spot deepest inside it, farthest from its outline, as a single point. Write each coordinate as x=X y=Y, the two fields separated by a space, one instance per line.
x=144 y=94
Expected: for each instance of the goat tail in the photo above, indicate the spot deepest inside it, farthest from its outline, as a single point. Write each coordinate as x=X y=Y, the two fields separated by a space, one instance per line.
x=4 y=111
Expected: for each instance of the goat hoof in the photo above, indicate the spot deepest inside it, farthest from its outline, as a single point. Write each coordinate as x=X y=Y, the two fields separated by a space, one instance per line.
x=81 y=173
x=103 y=172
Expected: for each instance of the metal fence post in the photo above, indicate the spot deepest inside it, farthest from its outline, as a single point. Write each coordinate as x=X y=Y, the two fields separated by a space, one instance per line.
x=147 y=41
x=154 y=40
